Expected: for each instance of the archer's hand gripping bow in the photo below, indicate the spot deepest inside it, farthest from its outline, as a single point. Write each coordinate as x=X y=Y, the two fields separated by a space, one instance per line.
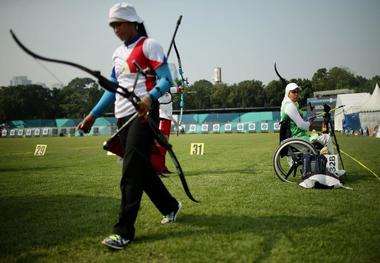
x=131 y=96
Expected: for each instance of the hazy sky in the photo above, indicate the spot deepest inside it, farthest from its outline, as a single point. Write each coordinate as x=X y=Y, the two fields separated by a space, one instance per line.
x=243 y=37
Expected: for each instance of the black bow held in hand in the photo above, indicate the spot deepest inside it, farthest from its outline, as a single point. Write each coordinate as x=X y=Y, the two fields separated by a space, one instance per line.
x=131 y=96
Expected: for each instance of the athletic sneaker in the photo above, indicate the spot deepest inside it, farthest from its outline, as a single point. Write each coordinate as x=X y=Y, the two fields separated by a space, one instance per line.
x=340 y=173
x=161 y=175
x=116 y=241
x=170 y=218
x=166 y=170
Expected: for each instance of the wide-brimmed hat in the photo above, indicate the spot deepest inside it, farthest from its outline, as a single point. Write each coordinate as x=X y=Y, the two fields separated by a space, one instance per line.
x=122 y=12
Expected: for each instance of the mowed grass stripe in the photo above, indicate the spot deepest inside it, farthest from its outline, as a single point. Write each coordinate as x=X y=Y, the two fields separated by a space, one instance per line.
x=58 y=207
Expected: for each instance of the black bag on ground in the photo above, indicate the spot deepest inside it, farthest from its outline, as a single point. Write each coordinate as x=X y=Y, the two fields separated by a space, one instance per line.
x=313 y=164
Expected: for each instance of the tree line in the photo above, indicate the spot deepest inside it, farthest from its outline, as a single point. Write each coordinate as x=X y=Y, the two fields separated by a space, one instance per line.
x=36 y=102
x=77 y=98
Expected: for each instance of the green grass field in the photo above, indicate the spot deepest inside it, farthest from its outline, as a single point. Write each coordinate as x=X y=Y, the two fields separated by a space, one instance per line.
x=58 y=208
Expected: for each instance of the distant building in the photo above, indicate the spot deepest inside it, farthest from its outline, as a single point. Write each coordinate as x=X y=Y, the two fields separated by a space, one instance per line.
x=332 y=93
x=217 y=75
x=20 y=81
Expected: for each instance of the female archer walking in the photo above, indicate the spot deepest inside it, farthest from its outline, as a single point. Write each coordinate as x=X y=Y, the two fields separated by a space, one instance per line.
x=138 y=175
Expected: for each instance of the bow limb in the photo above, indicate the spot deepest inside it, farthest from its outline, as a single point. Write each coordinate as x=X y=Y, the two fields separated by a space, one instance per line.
x=284 y=81
x=181 y=175
x=180 y=71
x=174 y=34
x=36 y=56
x=103 y=81
x=183 y=84
x=162 y=140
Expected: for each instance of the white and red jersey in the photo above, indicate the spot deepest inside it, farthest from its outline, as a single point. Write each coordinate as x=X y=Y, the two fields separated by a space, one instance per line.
x=149 y=55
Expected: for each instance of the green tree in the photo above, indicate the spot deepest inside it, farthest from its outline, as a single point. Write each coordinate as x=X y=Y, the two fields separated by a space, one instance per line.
x=335 y=78
x=197 y=96
x=81 y=94
x=274 y=93
x=249 y=93
x=367 y=85
x=218 y=96
x=78 y=97
x=26 y=102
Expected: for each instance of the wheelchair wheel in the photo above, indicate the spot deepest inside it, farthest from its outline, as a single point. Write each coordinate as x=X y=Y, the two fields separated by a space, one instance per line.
x=287 y=160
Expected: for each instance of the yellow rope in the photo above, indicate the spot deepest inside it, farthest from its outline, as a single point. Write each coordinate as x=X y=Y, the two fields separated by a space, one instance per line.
x=361 y=164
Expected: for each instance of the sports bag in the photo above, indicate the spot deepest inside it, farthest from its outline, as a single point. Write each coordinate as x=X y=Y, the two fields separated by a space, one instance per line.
x=313 y=164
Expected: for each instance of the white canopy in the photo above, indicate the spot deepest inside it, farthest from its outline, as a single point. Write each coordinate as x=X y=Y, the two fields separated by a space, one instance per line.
x=352 y=103
x=366 y=104
x=373 y=103
x=369 y=113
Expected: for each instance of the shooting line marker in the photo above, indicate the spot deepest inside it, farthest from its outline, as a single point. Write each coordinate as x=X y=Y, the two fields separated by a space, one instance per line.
x=372 y=172
x=40 y=150
x=197 y=148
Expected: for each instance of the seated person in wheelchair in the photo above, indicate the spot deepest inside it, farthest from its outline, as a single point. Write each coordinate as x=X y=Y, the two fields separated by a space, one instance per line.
x=298 y=127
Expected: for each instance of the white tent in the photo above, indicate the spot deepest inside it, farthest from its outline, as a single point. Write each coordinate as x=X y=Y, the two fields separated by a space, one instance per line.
x=352 y=103
x=370 y=110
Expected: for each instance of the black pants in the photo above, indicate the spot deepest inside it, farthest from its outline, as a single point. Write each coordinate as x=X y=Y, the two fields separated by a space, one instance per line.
x=138 y=176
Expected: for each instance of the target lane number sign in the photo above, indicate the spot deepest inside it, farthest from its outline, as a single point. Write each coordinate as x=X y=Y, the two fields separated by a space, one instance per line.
x=332 y=162
x=197 y=148
x=40 y=150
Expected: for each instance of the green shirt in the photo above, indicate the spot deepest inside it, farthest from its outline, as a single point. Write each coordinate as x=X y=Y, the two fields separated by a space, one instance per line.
x=294 y=130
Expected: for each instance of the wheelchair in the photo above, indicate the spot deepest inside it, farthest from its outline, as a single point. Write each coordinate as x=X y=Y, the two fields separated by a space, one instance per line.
x=288 y=158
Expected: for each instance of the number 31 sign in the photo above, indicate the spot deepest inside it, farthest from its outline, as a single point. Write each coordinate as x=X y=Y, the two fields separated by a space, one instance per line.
x=197 y=148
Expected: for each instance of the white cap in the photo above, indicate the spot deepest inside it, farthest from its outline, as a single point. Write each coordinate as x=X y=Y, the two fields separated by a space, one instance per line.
x=123 y=12
x=291 y=86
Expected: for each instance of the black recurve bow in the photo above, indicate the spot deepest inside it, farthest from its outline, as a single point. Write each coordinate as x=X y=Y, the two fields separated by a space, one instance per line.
x=131 y=96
